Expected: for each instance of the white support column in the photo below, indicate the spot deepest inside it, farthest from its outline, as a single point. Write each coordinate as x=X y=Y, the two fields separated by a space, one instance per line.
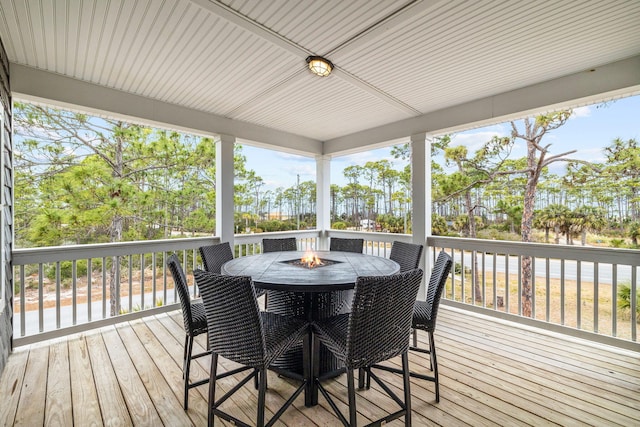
x=323 y=199
x=421 y=198
x=224 y=188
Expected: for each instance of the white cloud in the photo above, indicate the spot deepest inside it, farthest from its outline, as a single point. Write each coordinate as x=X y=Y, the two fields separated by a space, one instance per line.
x=474 y=140
x=594 y=154
x=581 y=112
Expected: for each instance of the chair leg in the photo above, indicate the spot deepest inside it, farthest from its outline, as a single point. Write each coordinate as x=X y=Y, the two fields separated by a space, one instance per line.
x=407 y=388
x=212 y=388
x=368 y=385
x=262 y=391
x=351 y=390
x=256 y=382
x=361 y=378
x=415 y=337
x=434 y=364
x=184 y=354
x=187 y=368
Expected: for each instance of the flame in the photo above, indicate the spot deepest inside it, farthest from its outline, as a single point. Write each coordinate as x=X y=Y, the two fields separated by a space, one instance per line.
x=311 y=260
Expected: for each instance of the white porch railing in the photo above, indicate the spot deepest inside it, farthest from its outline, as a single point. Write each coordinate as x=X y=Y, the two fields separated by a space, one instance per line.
x=574 y=289
x=61 y=290
x=65 y=289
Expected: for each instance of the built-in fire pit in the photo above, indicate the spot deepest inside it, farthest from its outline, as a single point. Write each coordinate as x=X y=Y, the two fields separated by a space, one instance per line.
x=310 y=260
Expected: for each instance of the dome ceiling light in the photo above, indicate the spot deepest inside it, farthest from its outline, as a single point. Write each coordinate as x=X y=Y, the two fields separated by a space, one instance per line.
x=319 y=65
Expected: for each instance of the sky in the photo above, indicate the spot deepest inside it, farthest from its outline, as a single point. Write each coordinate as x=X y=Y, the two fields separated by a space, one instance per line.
x=589 y=130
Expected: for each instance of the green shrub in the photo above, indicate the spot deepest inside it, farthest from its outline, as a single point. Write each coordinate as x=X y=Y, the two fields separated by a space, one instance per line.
x=438 y=225
x=339 y=225
x=457 y=269
x=624 y=300
x=66 y=269
x=617 y=243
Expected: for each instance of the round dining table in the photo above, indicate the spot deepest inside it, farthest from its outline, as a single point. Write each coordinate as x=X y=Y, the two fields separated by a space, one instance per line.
x=314 y=292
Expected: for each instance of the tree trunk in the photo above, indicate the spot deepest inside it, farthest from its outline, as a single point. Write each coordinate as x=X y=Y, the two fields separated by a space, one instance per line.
x=114 y=291
x=116 y=228
x=526 y=230
x=473 y=234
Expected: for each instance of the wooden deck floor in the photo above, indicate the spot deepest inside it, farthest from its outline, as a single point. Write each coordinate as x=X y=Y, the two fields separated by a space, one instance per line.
x=492 y=373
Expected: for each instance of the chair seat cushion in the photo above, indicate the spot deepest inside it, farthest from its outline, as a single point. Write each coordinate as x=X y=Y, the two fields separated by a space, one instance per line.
x=199 y=318
x=422 y=317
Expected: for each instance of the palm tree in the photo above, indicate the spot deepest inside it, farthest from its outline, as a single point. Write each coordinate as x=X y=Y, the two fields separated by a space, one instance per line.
x=634 y=232
x=541 y=219
x=587 y=218
x=554 y=217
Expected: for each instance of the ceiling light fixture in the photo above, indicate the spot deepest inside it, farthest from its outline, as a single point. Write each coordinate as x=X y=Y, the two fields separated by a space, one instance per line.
x=319 y=65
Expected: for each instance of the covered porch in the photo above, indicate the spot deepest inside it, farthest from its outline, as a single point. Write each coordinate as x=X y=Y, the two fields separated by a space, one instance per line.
x=492 y=373
x=190 y=65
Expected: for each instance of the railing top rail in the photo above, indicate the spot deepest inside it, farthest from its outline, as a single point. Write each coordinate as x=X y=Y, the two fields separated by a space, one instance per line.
x=243 y=239
x=75 y=252
x=369 y=235
x=541 y=250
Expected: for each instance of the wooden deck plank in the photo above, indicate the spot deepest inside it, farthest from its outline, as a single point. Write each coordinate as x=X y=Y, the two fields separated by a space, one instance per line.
x=470 y=398
x=140 y=405
x=531 y=404
x=86 y=408
x=112 y=404
x=625 y=386
x=564 y=365
x=168 y=407
x=579 y=398
x=492 y=373
x=172 y=373
x=555 y=347
x=11 y=385
x=58 y=412
x=34 y=388
x=458 y=404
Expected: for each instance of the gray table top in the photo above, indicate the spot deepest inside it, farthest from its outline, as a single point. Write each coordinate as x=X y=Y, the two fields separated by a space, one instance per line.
x=271 y=270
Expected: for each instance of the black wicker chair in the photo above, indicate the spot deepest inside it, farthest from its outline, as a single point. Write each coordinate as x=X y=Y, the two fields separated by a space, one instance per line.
x=195 y=323
x=424 y=318
x=240 y=332
x=279 y=245
x=377 y=329
x=406 y=254
x=425 y=312
x=213 y=256
x=346 y=245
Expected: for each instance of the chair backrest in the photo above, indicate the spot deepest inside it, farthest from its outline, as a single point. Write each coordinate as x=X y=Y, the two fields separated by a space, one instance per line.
x=380 y=319
x=213 y=256
x=233 y=317
x=437 y=281
x=346 y=245
x=406 y=254
x=180 y=282
x=279 y=245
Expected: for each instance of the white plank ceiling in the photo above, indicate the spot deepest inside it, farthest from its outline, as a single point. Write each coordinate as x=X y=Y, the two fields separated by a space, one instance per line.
x=245 y=59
